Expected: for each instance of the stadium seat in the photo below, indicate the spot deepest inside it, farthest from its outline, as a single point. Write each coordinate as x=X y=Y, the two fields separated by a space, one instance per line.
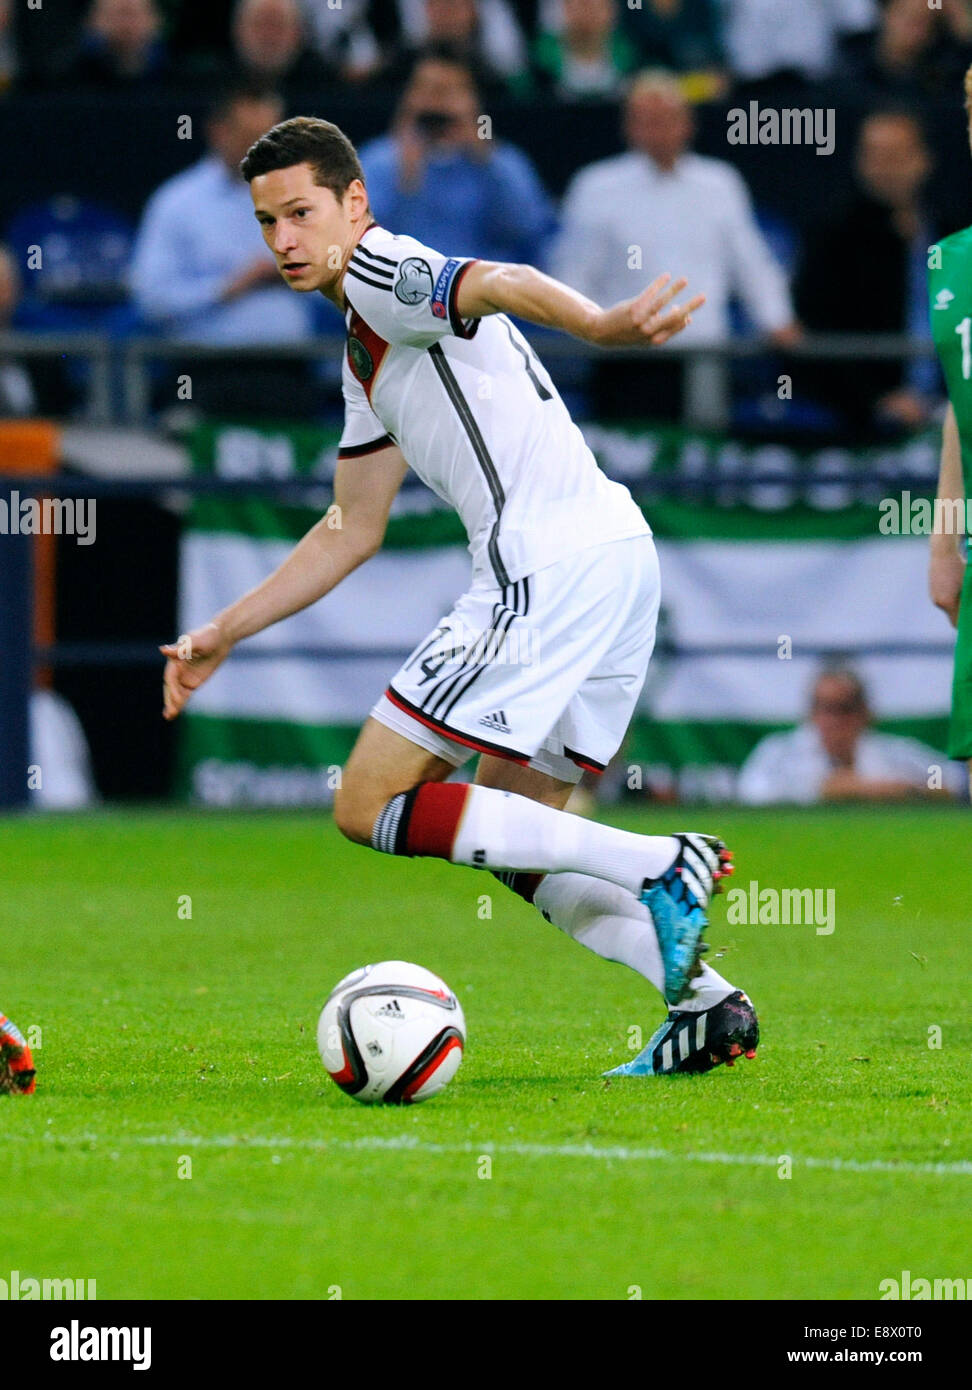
x=85 y=248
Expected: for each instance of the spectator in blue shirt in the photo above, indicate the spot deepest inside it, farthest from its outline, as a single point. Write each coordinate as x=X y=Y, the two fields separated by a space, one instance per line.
x=440 y=176
x=201 y=272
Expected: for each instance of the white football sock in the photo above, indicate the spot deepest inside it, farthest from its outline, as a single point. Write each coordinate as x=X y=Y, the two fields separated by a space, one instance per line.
x=613 y=924
x=500 y=830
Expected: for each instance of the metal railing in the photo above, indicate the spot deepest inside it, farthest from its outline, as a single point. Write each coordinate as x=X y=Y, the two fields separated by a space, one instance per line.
x=119 y=371
x=118 y=380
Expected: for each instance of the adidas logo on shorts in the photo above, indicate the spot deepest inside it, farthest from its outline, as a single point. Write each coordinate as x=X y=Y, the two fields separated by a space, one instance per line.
x=497 y=721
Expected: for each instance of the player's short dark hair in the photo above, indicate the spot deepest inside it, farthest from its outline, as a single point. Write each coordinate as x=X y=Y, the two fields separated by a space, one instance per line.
x=306 y=140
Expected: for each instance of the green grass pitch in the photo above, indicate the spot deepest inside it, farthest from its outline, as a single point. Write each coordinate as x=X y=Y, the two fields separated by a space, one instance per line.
x=166 y=1038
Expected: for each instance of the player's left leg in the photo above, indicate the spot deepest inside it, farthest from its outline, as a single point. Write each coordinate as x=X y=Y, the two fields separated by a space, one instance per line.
x=715 y=1023
x=605 y=918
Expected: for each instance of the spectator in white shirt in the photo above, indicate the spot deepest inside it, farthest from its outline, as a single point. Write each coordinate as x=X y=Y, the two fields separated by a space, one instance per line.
x=767 y=37
x=836 y=756
x=659 y=208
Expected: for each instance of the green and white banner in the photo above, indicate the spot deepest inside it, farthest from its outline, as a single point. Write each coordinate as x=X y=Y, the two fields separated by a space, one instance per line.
x=758 y=581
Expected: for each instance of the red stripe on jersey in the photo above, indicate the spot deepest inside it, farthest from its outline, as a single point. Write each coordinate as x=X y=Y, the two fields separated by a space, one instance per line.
x=376 y=346
x=434 y=819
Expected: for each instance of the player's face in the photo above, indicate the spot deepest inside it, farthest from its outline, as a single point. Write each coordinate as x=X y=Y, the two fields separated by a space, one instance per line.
x=309 y=231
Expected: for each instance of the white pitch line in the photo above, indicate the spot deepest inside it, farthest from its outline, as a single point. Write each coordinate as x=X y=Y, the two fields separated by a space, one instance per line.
x=406 y=1143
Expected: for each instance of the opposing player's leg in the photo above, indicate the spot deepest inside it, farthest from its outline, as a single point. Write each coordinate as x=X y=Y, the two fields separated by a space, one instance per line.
x=613 y=924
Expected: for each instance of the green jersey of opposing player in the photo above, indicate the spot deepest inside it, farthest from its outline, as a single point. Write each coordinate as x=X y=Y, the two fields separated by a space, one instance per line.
x=950 y=293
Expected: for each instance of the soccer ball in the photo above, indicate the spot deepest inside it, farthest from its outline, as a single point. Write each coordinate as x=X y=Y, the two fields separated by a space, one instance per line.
x=392 y=1032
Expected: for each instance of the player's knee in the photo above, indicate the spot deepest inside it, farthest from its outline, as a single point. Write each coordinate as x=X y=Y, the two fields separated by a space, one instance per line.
x=353 y=816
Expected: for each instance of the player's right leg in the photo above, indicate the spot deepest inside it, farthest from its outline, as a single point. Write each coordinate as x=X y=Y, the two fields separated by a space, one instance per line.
x=382 y=764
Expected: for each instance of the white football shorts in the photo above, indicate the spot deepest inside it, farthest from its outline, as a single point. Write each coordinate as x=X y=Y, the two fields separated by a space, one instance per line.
x=545 y=671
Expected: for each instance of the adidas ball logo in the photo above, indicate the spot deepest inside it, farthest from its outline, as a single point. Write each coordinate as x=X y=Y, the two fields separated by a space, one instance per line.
x=390 y=1010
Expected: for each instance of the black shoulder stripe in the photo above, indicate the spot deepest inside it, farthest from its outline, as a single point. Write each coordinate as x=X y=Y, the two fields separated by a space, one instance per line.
x=372 y=269
x=378 y=284
x=371 y=255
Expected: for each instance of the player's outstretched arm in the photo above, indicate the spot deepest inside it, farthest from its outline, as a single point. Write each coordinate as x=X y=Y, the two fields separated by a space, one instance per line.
x=946 y=569
x=350 y=532
x=649 y=319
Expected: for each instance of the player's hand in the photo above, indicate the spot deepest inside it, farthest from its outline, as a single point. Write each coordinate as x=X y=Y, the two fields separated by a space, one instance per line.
x=192 y=659
x=946 y=575
x=649 y=318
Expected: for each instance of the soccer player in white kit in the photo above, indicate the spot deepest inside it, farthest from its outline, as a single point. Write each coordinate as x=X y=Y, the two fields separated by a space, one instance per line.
x=538 y=666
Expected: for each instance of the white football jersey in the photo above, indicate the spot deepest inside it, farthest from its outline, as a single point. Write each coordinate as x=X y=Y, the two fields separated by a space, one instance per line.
x=474 y=413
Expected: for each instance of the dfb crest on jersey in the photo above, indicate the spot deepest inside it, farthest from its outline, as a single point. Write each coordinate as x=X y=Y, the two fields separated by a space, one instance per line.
x=361 y=359
x=414 y=281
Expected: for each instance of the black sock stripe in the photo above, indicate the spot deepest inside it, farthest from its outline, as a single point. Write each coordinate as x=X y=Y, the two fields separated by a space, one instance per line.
x=401 y=837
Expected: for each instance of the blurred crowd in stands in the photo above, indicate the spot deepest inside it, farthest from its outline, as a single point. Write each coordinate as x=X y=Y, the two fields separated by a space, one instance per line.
x=568 y=49
x=193 y=266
